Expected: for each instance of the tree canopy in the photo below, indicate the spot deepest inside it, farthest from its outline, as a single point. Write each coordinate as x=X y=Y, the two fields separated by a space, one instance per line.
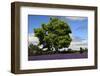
x=54 y=35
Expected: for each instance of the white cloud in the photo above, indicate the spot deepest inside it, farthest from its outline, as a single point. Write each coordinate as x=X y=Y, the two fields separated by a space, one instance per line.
x=76 y=18
x=77 y=43
x=32 y=39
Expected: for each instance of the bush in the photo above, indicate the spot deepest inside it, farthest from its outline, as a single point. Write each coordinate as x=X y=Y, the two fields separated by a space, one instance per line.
x=34 y=50
x=83 y=50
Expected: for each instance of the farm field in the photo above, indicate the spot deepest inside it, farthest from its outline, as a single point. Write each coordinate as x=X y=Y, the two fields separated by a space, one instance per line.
x=59 y=56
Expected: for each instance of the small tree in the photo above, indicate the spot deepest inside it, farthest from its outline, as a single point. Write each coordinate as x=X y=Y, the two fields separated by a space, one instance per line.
x=31 y=49
x=85 y=50
x=34 y=50
x=81 y=50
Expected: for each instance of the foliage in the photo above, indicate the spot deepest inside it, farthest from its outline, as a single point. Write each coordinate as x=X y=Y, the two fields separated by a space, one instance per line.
x=34 y=50
x=83 y=50
x=54 y=35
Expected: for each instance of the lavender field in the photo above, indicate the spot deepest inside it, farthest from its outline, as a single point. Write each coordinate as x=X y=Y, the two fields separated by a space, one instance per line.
x=59 y=56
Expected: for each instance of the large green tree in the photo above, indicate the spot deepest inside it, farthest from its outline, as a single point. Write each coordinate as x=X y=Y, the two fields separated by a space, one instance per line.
x=54 y=35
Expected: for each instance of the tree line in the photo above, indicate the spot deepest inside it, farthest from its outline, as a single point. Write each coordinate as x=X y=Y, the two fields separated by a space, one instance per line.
x=34 y=50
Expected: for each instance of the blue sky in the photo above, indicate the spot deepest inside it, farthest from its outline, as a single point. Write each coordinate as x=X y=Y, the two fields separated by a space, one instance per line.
x=78 y=25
